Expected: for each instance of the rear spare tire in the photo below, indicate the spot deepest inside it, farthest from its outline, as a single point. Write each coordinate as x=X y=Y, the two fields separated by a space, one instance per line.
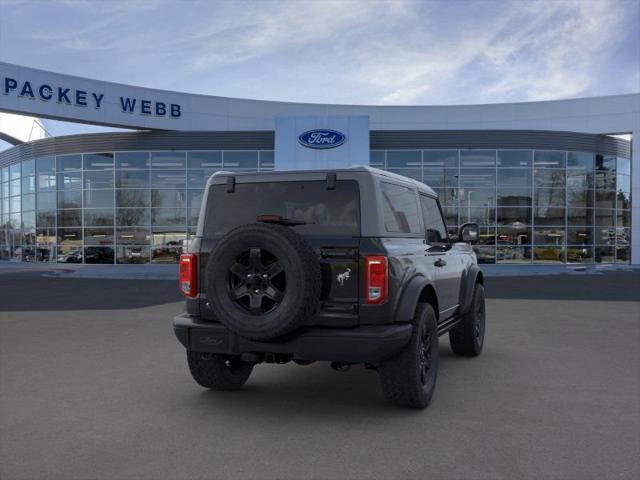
x=262 y=281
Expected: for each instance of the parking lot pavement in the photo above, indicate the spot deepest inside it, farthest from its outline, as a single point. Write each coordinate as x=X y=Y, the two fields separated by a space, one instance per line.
x=105 y=394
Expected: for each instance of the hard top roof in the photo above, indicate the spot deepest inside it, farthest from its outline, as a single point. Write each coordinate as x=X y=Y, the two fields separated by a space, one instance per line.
x=359 y=168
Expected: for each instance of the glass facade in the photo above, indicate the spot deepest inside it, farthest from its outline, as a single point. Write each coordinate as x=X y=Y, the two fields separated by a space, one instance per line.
x=109 y=207
x=533 y=206
x=540 y=206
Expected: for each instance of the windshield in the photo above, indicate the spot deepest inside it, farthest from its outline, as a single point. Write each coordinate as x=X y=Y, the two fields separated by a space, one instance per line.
x=319 y=210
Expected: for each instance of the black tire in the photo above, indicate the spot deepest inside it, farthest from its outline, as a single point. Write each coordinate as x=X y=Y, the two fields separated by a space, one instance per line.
x=409 y=378
x=267 y=295
x=467 y=338
x=218 y=372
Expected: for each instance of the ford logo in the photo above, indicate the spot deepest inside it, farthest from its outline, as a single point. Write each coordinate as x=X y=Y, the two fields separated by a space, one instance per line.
x=322 y=138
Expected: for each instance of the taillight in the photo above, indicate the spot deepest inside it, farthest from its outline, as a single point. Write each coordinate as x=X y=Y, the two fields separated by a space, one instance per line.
x=376 y=279
x=189 y=275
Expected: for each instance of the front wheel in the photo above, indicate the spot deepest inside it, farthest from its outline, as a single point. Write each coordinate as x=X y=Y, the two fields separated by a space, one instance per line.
x=218 y=372
x=467 y=338
x=409 y=378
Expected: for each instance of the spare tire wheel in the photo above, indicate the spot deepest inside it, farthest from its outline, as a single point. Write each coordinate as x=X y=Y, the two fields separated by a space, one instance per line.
x=263 y=280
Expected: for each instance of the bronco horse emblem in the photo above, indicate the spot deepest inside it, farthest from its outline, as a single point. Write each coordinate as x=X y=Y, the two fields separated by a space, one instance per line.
x=342 y=277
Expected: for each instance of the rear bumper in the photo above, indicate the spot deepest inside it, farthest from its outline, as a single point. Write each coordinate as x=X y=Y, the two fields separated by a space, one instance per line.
x=365 y=344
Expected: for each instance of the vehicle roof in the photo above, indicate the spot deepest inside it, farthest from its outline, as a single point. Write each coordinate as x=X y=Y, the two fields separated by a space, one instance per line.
x=359 y=168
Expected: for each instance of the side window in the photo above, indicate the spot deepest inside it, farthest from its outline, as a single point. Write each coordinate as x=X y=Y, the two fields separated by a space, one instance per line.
x=400 y=209
x=436 y=232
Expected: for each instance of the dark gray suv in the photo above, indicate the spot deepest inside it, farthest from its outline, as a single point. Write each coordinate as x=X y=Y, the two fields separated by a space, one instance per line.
x=347 y=266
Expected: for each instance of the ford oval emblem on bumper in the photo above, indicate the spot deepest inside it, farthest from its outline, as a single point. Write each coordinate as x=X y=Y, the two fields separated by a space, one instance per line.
x=322 y=138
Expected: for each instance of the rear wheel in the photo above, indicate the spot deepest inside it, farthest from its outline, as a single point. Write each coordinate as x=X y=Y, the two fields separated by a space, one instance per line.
x=467 y=338
x=409 y=378
x=218 y=372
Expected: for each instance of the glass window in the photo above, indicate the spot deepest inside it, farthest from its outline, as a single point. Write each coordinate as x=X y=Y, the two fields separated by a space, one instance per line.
x=605 y=199
x=46 y=181
x=69 y=180
x=623 y=183
x=515 y=158
x=548 y=254
x=29 y=220
x=267 y=159
x=14 y=187
x=623 y=166
x=579 y=178
x=168 y=198
x=46 y=201
x=208 y=159
x=138 y=160
x=548 y=215
x=441 y=177
x=70 y=244
x=70 y=218
x=477 y=158
x=98 y=236
x=549 y=178
x=97 y=217
x=98 y=254
x=624 y=218
x=69 y=162
x=168 y=179
x=480 y=215
x=132 y=178
x=514 y=176
x=605 y=217
x=549 y=159
x=28 y=184
x=324 y=212
x=133 y=217
x=549 y=236
x=46 y=218
x=579 y=216
x=514 y=255
x=400 y=209
x=623 y=254
x=14 y=204
x=514 y=234
x=580 y=254
x=404 y=158
x=70 y=199
x=132 y=254
x=28 y=167
x=240 y=159
x=582 y=160
x=605 y=235
x=46 y=236
x=546 y=197
x=168 y=160
x=29 y=202
x=194 y=198
x=477 y=196
x=98 y=199
x=133 y=236
x=167 y=245
x=605 y=163
x=98 y=179
x=579 y=197
x=605 y=180
x=4 y=174
x=194 y=215
x=435 y=229
x=605 y=254
x=376 y=158
x=440 y=158
x=514 y=216
x=514 y=196
x=168 y=217
x=46 y=165
x=132 y=198
x=477 y=177
x=198 y=178
x=98 y=161
x=580 y=235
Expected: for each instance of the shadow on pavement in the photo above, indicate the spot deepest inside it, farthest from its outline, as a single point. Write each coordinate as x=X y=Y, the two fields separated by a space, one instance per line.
x=611 y=286
x=30 y=291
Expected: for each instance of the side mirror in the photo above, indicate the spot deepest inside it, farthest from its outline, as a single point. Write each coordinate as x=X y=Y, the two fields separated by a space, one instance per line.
x=469 y=233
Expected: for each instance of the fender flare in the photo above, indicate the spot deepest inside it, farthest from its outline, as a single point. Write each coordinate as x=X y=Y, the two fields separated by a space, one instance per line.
x=467 y=286
x=409 y=299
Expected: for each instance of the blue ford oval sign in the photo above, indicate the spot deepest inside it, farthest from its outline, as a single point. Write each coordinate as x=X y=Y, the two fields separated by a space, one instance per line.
x=322 y=138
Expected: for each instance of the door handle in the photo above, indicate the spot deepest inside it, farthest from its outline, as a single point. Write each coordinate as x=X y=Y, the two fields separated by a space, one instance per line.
x=440 y=263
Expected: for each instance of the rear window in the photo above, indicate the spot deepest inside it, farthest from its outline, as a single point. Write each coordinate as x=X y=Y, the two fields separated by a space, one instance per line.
x=327 y=212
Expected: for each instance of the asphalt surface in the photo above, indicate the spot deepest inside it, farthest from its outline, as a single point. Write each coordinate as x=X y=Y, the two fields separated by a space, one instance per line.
x=93 y=385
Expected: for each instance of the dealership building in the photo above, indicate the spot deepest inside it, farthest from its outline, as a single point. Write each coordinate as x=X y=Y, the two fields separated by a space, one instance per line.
x=548 y=182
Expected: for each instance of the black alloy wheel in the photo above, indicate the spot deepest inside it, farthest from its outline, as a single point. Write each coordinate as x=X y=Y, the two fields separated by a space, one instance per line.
x=257 y=281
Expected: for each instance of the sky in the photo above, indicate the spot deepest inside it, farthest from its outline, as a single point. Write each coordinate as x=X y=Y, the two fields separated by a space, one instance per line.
x=396 y=52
